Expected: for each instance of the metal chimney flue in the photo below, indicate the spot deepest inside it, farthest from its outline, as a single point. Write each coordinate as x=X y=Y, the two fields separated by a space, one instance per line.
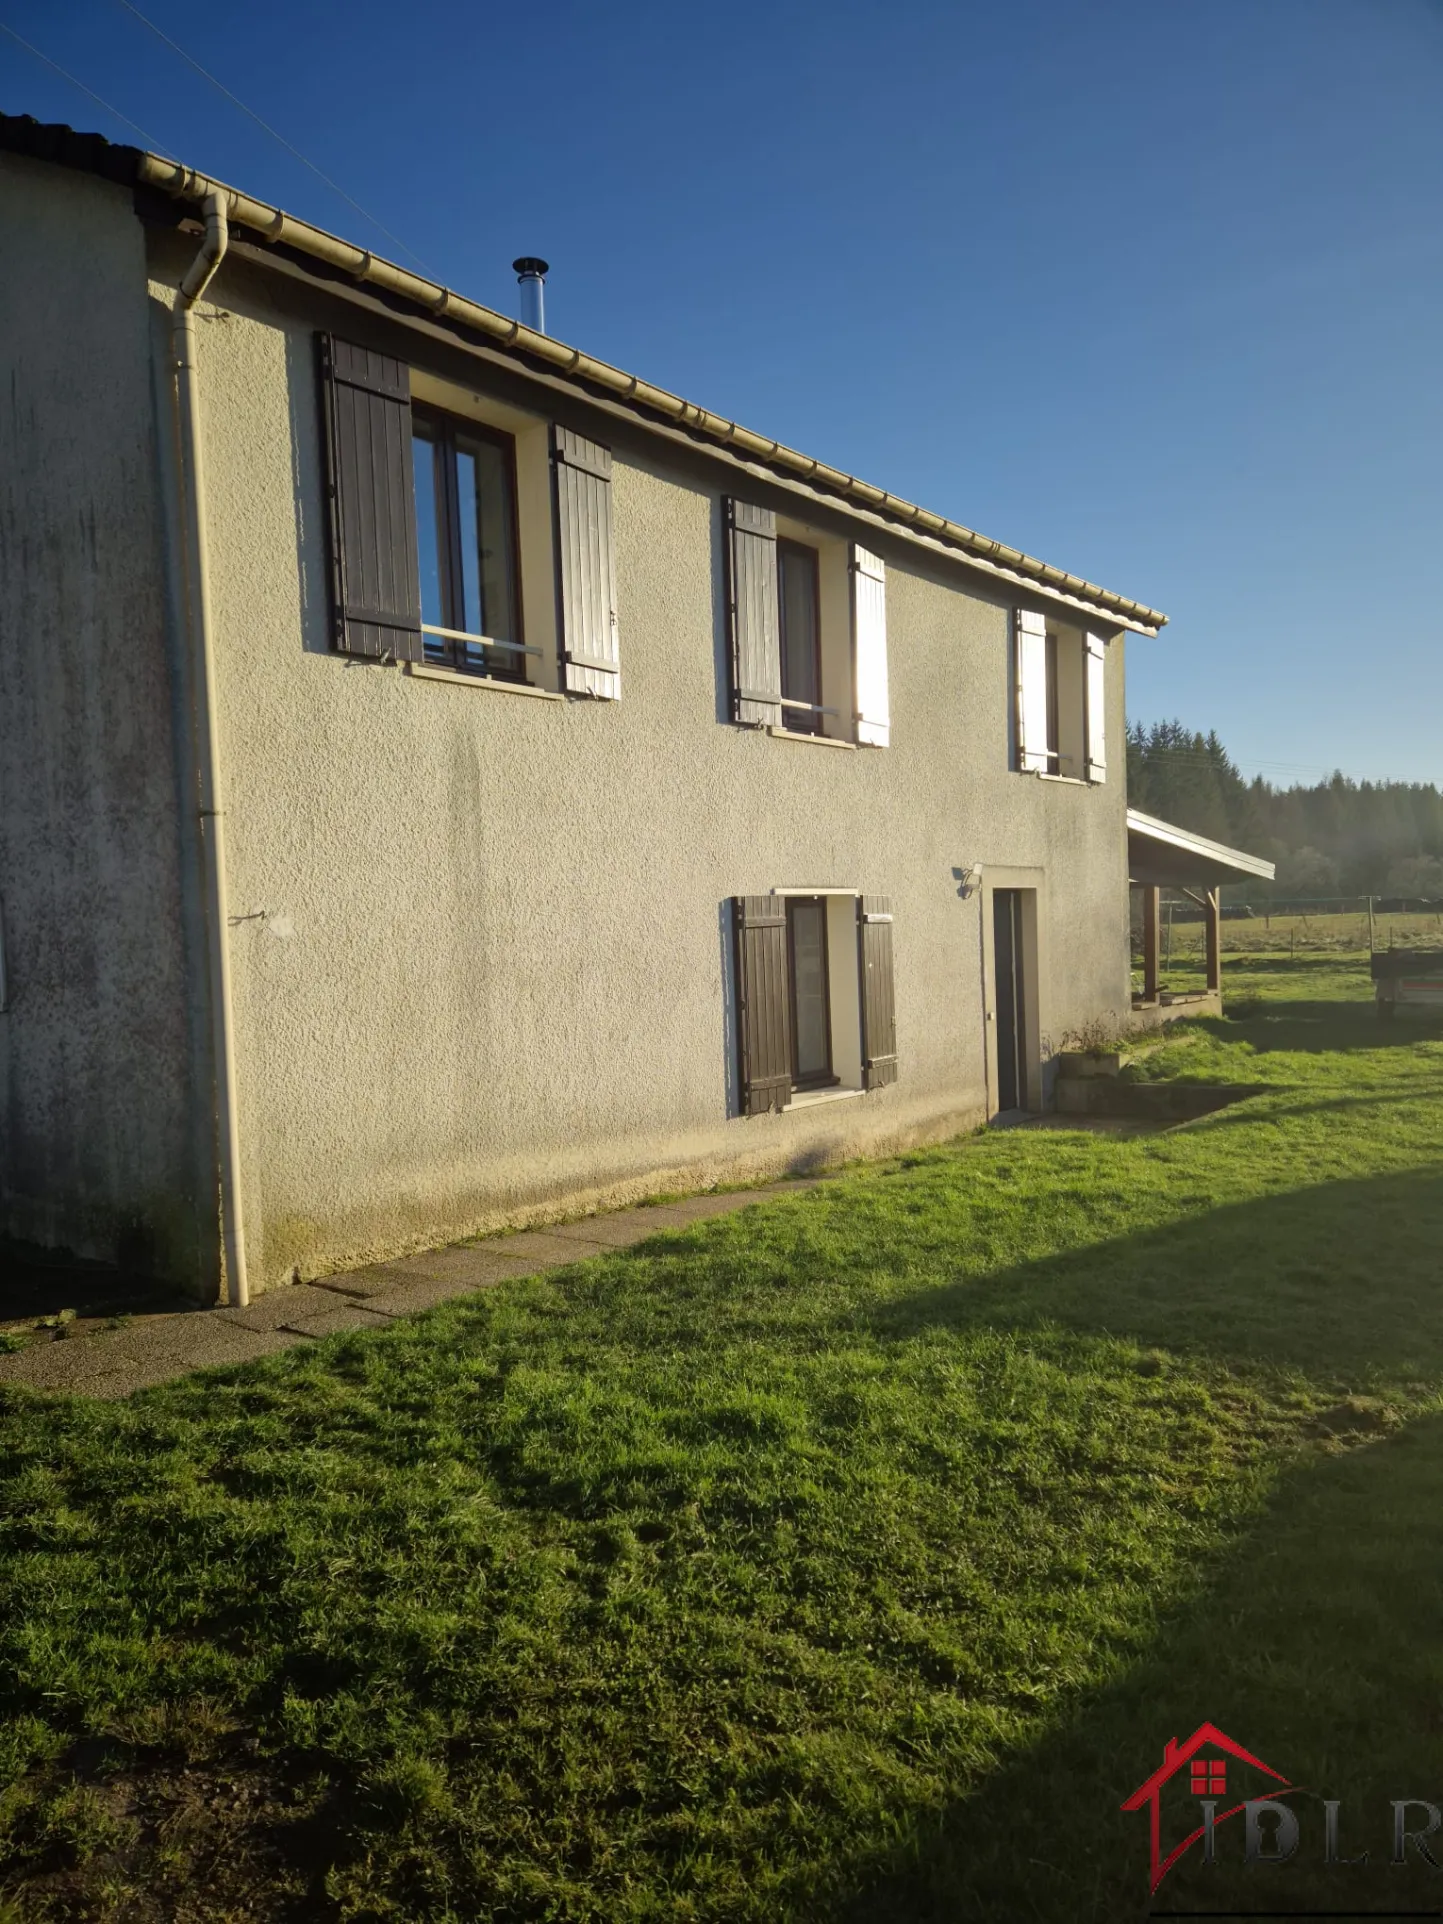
x=531 y=274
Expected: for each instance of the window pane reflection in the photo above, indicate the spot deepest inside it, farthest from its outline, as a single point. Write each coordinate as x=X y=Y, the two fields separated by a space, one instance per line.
x=466 y=534
x=813 y=1043
x=428 y=531
x=797 y=599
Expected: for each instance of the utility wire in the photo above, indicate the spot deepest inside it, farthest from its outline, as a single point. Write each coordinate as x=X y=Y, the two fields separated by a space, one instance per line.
x=1326 y=769
x=90 y=92
x=1193 y=760
x=267 y=128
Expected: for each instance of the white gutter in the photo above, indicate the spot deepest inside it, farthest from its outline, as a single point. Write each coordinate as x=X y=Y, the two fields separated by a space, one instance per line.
x=359 y=264
x=207 y=733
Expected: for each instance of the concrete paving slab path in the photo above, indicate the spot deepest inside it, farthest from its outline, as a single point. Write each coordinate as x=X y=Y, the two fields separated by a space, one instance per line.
x=278 y=1307
x=620 y=1231
x=330 y=1322
x=153 y=1349
x=410 y=1295
x=468 y=1266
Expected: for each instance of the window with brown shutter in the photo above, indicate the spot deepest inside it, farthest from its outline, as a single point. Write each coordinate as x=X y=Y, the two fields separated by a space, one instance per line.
x=879 y=1008
x=804 y=1025
x=366 y=414
x=763 y=1002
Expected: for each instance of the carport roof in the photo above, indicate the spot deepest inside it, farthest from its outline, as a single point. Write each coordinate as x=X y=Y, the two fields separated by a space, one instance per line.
x=1162 y=855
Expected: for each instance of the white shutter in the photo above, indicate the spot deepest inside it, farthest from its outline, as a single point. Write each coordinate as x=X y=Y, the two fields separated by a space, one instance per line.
x=1032 y=743
x=1096 y=709
x=752 y=607
x=869 y=647
x=586 y=570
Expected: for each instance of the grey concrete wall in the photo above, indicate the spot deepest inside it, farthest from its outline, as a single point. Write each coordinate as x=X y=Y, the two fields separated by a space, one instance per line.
x=482 y=969
x=99 y=1147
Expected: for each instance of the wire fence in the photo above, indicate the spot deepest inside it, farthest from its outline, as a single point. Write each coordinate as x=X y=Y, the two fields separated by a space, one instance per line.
x=1290 y=929
x=1312 y=906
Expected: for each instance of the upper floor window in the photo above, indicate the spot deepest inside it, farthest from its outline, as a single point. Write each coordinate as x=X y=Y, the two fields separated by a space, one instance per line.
x=1059 y=699
x=449 y=510
x=808 y=617
x=466 y=539
x=798 y=613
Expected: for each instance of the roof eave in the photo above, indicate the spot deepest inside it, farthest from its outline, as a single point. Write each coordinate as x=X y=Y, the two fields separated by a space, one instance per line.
x=92 y=152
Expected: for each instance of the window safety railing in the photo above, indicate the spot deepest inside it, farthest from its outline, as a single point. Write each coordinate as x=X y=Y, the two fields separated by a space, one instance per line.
x=470 y=643
x=808 y=707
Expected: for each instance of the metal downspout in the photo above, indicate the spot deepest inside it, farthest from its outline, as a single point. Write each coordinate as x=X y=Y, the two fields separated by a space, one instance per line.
x=212 y=818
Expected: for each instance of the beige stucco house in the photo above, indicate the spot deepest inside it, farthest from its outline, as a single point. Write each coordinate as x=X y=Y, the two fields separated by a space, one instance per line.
x=448 y=781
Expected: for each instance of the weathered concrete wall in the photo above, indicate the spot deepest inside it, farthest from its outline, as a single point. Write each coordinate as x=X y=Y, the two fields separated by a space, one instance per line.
x=484 y=969
x=98 y=1142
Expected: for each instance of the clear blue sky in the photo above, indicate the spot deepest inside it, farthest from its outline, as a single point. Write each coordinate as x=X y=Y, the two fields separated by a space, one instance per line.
x=1151 y=288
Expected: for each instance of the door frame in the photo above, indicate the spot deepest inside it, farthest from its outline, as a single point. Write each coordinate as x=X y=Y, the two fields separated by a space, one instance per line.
x=1031 y=885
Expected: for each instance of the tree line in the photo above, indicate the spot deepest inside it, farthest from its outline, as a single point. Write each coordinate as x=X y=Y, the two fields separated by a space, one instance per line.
x=1338 y=837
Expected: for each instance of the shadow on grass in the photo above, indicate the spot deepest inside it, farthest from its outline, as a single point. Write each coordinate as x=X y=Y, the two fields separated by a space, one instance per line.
x=1315 y=1028
x=1393 y=1094
x=1312 y=1025
x=1331 y=1279
x=1315 y=1645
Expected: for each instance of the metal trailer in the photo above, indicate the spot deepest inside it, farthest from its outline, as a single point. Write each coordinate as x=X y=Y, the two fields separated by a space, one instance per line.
x=1408 y=979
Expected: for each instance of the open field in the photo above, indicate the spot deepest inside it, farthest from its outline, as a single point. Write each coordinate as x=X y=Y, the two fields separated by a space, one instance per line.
x=1281 y=936
x=851 y=1558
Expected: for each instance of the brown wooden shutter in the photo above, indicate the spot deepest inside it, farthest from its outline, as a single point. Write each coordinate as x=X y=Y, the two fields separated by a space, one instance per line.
x=375 y=585
x=879 y=1004
x=752 y=610
x=763 y=1004
x=585 y=566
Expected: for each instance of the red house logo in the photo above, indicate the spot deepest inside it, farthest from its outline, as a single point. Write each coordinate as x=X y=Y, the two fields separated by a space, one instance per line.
x=1205 y=1759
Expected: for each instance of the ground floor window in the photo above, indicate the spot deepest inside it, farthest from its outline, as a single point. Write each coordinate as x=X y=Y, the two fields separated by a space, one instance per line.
x=811 y=1007
x=814 y=997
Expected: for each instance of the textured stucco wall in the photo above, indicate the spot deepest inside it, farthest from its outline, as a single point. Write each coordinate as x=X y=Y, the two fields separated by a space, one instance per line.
x=483 y=969
x=99 y=1149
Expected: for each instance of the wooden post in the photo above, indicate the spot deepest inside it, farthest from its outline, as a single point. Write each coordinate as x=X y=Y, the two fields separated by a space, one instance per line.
x=1151 y=900
x=1371 y=943
x=1215 y=939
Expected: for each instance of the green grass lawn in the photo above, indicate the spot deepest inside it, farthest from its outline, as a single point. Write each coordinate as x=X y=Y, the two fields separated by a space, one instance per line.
x=852 y=1557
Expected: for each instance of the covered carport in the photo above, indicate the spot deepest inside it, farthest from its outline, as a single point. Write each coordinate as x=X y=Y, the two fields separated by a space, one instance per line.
x=1162 y=856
